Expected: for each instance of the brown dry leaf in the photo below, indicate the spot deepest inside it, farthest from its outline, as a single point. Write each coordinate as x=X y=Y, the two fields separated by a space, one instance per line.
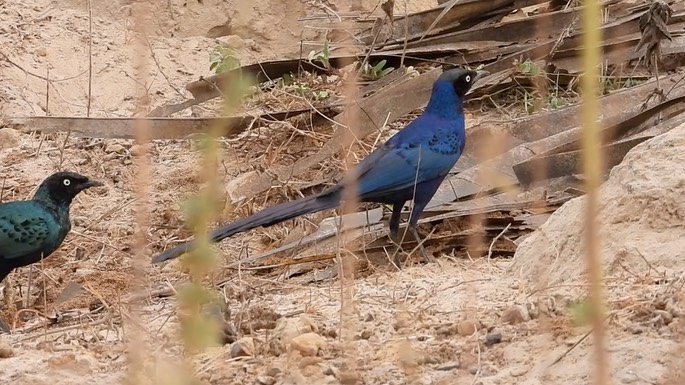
x=654 y=30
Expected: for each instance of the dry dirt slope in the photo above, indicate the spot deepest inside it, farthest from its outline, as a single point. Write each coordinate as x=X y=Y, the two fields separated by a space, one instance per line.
x=408 y=327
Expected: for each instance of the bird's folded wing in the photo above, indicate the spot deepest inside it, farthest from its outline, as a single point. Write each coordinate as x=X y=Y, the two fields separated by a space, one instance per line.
x=21 y=233
x=391 y=169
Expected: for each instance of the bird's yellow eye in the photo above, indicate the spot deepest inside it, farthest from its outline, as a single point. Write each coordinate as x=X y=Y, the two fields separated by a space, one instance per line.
x=66 y=182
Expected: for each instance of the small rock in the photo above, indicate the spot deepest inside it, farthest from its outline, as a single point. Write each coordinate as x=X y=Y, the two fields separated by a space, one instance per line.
x=46 y=346
x=493 y=338
x=448 y=366
x=515 y=314
x=466 y=328
x=8 y=138
x=42 y=51
x=266 y=380
x=244 y=347
x=332 y=333
x=6 y=350
x=665 y=332
x=666 y=316
x=402 y=321
x=368 y=317
x=289 y=328
x=365 y=334
x=349 y=377
x=446 y=331
x=114 y=148
x=331 y=371
x=231 y=41
x=518 y=371
x=473 y=369
x=308 y=344
x=138 y=150
x=273 y=371
x=636 y=329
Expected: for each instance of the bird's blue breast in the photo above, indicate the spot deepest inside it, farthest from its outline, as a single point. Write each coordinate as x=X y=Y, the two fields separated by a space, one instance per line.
x=27 y=227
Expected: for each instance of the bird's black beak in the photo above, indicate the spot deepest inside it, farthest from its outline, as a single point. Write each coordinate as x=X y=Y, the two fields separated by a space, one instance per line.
x=91 y=183
x=480 y=74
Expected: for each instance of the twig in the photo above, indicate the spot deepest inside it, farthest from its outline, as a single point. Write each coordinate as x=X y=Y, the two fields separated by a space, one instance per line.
x=583 y=338
x=561 y=357
x=90 y=58
x=108 y=317
x=39 y=76
x=159 y=67
x=47 y=91
x=495 y=240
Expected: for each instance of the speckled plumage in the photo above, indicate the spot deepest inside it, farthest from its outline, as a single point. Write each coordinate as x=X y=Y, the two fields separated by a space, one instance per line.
x=33 y=229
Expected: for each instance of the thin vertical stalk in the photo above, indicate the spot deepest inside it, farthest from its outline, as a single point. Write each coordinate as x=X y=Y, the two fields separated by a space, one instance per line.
x=592 y=167
x=349 y=204
x=134 y=332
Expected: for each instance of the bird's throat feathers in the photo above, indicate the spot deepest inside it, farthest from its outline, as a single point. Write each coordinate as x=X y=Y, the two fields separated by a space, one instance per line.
x=54 y=200
x=444 y=101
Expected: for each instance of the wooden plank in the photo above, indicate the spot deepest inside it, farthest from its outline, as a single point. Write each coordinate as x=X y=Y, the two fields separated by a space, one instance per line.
x=418 y=23
x=125 y=128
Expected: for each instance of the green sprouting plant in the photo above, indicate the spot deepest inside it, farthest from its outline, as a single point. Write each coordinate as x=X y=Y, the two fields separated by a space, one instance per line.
x=322 y=56
x=555 y=102
x=530 y=68
x=223 y=59
x=288 y=81
x=613 y=83
x=376 y=71
x=545 y=92
x=321 y=94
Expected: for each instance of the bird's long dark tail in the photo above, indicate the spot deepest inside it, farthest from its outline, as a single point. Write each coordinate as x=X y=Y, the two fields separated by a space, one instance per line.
x=267 y=217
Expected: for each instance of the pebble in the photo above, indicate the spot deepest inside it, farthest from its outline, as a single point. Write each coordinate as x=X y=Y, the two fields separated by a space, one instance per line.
x=266 y=380
x=138 y=150
x=8 y=138
x=636 y=329
x=466 y=328
x=273 y=371
x=114 y=148
x=349 y=377
x=518 y=371
x=493 y=338
x=307 y=344
x=6 y=350
x=244 y=347
x=445 y=331
x=515 y=314
x=231 y=41
x=665 y=332
x=666 y=316
x=365 y=334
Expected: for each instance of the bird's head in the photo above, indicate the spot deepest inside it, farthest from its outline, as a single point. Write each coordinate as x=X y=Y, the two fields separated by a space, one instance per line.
x=62 y=187
x=461 y=79
x=449 y=91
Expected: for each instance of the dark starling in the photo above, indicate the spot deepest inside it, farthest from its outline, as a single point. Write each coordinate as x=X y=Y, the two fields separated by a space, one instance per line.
x=31 y=230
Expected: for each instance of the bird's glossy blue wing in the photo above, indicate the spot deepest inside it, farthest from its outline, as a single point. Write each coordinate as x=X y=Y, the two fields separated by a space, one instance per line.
x=417 y=154
x=24 y=229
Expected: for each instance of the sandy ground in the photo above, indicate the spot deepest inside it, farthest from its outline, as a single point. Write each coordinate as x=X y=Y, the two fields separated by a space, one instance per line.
x=457 y=321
